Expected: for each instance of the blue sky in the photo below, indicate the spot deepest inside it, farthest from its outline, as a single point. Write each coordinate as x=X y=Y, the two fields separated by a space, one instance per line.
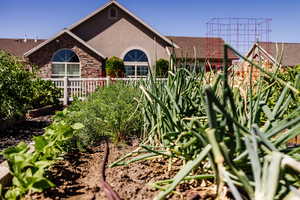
x=44 y=18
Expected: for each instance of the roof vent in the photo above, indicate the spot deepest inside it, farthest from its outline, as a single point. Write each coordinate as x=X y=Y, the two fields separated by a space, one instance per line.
x=113 y=13
x=25 y=38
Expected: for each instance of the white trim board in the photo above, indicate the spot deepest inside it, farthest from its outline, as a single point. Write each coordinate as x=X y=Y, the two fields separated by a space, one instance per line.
x=59 y=34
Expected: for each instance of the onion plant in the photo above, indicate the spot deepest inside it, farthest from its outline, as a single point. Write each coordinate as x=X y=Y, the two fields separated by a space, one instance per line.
x=243 y=139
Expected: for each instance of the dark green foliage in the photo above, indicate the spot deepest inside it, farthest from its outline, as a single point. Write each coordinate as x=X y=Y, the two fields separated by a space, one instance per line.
x=289 y=75
x=111 y=111
x=15 y=87
x=162 y=68
x=115 y=67
x=29 y=168
x=44 y=93
x=20 y=90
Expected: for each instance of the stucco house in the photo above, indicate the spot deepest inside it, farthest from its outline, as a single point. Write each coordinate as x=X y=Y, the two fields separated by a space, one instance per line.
x=82 y=49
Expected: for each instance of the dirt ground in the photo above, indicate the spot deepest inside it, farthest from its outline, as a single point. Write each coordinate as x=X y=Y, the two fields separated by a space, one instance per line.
x=23 y=131
x=78 y=177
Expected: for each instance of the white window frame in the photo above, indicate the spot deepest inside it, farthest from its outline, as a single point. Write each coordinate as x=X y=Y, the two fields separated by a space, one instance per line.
x=136 y=65
x=66 y=69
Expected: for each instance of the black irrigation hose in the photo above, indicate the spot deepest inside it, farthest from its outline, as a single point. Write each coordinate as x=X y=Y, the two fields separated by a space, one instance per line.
x=109 y=192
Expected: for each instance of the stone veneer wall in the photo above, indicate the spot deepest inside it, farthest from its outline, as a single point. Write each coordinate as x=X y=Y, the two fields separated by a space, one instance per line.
x=91 y=63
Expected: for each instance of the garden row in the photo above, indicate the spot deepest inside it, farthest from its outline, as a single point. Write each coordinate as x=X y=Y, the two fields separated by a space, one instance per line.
x=219 y=129
x=109 y=112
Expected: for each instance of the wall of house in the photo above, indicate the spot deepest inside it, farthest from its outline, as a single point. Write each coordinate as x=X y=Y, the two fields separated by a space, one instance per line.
x=115 y=37
x=91 y=63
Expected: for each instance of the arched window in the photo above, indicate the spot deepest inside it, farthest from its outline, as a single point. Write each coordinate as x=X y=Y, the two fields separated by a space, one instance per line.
x=136 y=64
x=65 y=62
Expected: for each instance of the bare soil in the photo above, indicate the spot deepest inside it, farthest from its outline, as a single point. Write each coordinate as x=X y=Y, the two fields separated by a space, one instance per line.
x=78 y=177
x=24 y=131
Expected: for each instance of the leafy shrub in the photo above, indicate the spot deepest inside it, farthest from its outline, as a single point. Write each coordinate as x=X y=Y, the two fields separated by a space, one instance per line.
x=111 y=111
x=15 y=87
x=289 y=75
x=162 y=67
x=44 y=93
x=20 y=90
x=115 y=67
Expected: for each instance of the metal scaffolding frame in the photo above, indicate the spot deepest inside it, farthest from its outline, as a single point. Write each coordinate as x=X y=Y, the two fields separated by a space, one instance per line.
x=240 y=33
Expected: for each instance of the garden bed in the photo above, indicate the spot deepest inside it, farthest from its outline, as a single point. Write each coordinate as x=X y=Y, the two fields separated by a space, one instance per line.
x=195 y=142
x=78 y=177
x=24 y=130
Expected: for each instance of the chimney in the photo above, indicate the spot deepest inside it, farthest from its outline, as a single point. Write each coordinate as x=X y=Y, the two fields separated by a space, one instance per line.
x=25 y=37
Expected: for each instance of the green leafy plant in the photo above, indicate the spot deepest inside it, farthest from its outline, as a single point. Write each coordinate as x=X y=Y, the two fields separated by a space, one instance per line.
x=288 y=74
x=111 y=111
x=44 y=93
x=15 y=87
x=162 y=68
x=115 y=67
x=1 y=191
x=29 y=167
x=20 y=90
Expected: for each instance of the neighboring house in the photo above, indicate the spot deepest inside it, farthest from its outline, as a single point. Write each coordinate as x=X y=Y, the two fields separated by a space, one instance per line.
x=270 y=55
x=206 y=51
x=285 y=54
x=18 y=47
x=81 y=50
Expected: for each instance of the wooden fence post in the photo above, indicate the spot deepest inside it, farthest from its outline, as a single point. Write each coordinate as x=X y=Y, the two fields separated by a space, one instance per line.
x=66 y=98
x=107 y=80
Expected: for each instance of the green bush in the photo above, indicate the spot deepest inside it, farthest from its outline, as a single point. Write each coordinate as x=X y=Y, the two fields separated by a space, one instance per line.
x=20 y=90
x=115 y=67
x=162 y=67
x=289 y=75
x=15 y=87
x=44 y=93
x=111 y=111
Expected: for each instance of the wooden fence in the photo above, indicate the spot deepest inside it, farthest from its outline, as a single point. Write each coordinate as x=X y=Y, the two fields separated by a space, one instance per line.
x=82 y=87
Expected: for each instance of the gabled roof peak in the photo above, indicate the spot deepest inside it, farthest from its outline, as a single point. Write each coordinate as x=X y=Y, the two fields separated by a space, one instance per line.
x=64 y=31
x=116 y=3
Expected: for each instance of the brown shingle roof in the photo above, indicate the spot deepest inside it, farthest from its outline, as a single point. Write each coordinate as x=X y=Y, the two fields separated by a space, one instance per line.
x=18 y=47
x=205 y=47
x=291 y=52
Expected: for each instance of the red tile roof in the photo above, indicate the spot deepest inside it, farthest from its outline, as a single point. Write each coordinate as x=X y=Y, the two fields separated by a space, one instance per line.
x=205 y=47
x=18 y=47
